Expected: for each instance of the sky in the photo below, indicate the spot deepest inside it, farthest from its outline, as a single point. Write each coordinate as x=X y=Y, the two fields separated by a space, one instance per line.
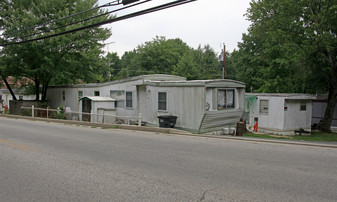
x=202 y=22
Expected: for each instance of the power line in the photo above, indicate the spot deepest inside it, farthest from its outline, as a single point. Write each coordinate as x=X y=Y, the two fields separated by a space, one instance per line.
x=139 y=13
x=84 y=20
x=113 y=3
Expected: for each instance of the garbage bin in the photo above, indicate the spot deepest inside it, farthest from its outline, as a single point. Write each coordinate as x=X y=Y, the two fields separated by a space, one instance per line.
x=240 y=128
x=167 y=121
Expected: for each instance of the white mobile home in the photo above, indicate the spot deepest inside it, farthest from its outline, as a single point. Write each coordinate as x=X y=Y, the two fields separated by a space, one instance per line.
x=200 y=105
x=279 y=113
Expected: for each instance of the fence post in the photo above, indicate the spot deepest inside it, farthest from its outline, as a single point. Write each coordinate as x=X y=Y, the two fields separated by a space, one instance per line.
x=140 y=119
x=47 y=112
x=32 y=110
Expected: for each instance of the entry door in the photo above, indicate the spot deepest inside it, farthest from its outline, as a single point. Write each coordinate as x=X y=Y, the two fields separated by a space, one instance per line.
x=142 y=102
x=86 y=108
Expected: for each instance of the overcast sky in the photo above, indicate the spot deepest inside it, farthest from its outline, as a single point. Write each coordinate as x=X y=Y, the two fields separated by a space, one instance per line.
x=212 y=22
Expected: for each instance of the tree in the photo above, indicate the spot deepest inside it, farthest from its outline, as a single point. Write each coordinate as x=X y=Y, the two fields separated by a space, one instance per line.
x=171 y=56
x=114 y=64
x=161 y=55
x=187 y=67
x=208 y=64
x=58 y=60
x=292 y=47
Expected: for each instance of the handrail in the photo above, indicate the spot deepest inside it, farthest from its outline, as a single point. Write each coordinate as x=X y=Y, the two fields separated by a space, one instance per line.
x=33 y=108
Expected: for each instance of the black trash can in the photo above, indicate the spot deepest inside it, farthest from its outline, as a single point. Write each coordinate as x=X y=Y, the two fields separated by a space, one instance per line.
x=167 y=121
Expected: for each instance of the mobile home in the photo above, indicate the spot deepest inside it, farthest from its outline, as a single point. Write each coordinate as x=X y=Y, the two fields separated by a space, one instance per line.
x=200 y=105
x=278 y=113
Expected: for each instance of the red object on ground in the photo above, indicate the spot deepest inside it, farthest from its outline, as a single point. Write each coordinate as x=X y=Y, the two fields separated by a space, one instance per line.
x=256 y=126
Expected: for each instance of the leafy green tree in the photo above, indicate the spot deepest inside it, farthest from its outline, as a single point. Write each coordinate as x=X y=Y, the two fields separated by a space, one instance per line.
x=111 y=66
x=187 y=67
x=161 y=54
x=291 y=46
x=131 y=65
x=171 y=56
x=208 y=64
x=59 y=60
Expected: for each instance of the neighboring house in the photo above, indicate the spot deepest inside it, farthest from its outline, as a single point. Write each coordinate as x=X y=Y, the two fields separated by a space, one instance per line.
x=5 y=96
x=279 y=113
x=200 y=105
x=17 y=87
x=318 y=110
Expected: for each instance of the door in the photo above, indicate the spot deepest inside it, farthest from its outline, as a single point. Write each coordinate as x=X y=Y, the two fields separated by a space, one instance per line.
x=86 y=108
x=142 y=102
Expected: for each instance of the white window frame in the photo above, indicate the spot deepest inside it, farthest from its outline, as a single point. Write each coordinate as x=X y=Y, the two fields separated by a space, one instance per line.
x=78 y=94
x=166 y=101
x=126 y=100
x=303 y=104
x=225 y=106
x=262 y=104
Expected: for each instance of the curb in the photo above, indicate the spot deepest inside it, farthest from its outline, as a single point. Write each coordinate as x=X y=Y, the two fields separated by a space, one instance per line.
x=172 y=131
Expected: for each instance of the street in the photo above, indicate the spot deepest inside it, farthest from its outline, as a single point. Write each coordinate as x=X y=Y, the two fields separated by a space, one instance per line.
x=42 y=161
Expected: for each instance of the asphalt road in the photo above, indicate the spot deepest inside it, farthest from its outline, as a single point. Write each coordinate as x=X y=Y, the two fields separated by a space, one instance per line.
x=56 y=162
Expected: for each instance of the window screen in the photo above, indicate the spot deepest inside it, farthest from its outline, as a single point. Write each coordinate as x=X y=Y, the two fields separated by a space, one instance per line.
x=225 y=99
x=303 y=106
x=264 y=106
x=63 y=95
x=162 y=101
x=80 y=94
x=129 y=99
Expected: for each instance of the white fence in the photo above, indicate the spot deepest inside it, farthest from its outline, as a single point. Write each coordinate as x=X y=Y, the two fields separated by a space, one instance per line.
x=82 y=116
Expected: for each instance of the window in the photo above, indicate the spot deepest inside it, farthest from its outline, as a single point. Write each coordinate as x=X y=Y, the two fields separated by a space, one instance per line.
x=129 y=99
x=225 y=99
x=162 y=101
x=63 y=95
x=119 y=96
x=96 y=93
x=303 y=106
x=264 y=106
x=80 y=94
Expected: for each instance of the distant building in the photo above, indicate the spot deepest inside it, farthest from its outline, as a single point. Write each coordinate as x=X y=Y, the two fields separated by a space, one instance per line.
x=6 y=97
x=16 y=85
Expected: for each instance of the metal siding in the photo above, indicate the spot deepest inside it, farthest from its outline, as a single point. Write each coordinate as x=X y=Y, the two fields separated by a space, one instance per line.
x=219 y=119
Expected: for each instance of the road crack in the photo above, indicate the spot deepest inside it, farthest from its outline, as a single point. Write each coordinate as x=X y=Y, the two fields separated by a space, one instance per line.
x=203 y=196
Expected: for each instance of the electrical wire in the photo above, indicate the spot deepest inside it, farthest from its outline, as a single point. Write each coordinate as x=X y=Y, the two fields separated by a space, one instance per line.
x=124 y=17
x=117 y=2
x=84 y=20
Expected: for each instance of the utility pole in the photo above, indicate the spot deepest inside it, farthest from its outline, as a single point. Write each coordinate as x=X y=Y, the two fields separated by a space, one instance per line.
x=109 y=71
x=224 y=62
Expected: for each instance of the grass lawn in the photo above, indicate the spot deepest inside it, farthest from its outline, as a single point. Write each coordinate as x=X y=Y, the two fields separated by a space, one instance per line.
x=314 y=136
x=266 y=136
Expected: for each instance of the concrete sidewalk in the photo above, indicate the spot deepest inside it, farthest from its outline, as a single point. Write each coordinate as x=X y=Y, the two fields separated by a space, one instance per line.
x=177 y=132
